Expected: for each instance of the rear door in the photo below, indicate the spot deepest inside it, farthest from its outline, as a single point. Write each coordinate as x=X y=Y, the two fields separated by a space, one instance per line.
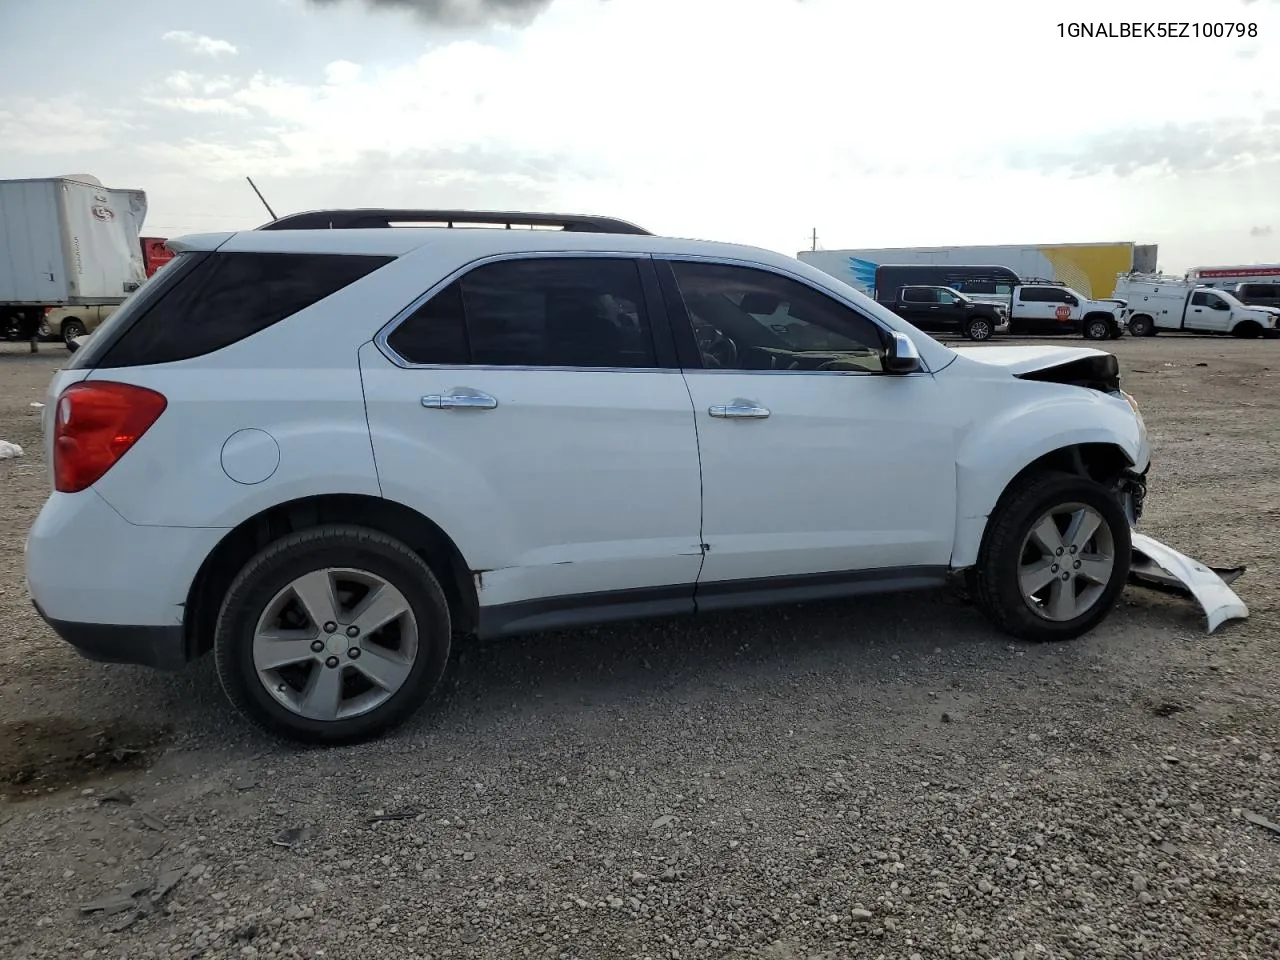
x=918 y=305
x=530 y=408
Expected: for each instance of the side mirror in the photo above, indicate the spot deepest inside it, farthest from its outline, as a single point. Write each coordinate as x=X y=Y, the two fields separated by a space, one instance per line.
x=73 y=344
x=1073 y=301
x=902 y=355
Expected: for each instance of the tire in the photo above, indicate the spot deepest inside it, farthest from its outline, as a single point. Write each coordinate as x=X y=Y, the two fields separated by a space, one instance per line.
x=1142 y=326
x=72 y=328
x=979 y=328
x=1096 y=328
x=412 y=649
x=1247 y=330
x=1011 y=551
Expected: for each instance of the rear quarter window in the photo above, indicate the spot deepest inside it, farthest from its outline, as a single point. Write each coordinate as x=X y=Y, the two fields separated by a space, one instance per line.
x=225 y=297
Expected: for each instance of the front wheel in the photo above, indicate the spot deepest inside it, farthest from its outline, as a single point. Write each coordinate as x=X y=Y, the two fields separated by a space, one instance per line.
x=979 y=328
x=334 y=634
x=1054 y=559
x=1247 y=330
x=1096 y=328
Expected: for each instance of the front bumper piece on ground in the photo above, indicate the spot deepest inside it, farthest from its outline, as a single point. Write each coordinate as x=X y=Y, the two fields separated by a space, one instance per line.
x=1159 y=567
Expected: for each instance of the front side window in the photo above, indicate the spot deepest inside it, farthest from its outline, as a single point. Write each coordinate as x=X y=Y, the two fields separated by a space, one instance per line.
x=946 y=296
x=805 y=329
x=536 y=312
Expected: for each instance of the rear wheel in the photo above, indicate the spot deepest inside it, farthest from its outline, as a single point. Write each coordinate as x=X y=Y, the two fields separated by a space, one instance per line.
x=334 y=634
x=1054 y=559
x=71 y=329
x=1142 y=326
x=979 y=328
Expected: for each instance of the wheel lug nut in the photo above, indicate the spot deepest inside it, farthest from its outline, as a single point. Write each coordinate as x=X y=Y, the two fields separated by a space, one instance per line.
x=1059 y=551
x=1066 y=576
x=1073 y=550
x=354 y=653
x=317 y=646
x=353 y=631
x=331 y=662
x=1054 y=568
x=1077 y=564
x=330 y=627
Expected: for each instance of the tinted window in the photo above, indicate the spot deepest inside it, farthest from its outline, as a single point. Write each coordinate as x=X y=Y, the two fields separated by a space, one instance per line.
x=747 y=319
x=230 y=296
x=556 y=312
x=918 y=294
x=436 y=332
x=1033 y=295
x=1200 y=300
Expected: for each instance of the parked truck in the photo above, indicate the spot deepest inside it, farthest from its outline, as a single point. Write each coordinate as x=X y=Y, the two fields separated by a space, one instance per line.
x=66 y=242
x=1158 y=303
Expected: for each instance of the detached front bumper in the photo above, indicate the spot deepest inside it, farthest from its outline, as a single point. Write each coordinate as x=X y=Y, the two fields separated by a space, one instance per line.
x=1159 y=567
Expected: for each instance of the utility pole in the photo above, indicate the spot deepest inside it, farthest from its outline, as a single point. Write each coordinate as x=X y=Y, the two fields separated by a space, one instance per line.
x=815 y=240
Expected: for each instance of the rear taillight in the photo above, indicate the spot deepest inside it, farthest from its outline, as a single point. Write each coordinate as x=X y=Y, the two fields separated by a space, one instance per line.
x=94 y=425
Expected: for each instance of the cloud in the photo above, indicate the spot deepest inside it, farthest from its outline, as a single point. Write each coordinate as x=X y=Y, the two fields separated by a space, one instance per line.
x=207 y=105
x=1260 y=231
x=1171 y=148
x=197 y=43
x=459 y=12
x=61 y=126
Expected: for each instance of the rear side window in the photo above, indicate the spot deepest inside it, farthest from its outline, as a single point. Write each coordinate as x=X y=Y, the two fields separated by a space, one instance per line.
x=919 y=294
x=535 y=312
x=227 y=297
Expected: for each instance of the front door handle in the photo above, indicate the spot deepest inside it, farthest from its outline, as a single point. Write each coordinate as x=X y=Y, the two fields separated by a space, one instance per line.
x=738 y=410
x=460 y=400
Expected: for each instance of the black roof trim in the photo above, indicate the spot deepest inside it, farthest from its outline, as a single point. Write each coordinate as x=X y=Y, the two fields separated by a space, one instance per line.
x=378 y=218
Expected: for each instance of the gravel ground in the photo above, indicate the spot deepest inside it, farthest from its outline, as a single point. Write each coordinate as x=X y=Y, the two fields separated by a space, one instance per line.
x=886 y=778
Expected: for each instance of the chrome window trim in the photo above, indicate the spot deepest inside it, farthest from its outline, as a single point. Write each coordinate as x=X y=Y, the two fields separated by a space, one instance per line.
x=380 y=338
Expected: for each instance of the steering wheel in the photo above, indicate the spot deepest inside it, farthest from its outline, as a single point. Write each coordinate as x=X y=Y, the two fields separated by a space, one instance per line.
x=719 y=349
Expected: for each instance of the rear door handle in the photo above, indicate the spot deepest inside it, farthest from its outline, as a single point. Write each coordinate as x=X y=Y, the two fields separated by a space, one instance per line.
x=460 y=400
x=738 y=410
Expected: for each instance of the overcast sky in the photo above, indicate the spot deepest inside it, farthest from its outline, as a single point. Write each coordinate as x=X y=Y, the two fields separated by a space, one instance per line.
x=914 y=122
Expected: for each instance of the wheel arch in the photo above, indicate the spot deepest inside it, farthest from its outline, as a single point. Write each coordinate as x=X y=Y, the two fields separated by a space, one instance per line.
x=981 y=491
x=416 y=531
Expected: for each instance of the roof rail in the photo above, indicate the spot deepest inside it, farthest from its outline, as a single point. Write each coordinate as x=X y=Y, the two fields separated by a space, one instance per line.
x=378 y=218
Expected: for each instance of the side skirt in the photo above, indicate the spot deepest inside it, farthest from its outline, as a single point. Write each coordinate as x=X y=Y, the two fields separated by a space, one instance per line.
x=559 y=613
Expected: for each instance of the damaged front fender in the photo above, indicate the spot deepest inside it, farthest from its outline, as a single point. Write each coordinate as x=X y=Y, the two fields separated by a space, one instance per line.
x=1160 y=567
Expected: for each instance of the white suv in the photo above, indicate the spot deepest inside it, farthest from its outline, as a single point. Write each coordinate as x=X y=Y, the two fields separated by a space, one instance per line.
x=326 y=448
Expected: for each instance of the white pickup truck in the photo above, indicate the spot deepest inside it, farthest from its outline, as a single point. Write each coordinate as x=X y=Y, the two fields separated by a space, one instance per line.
x=1168 y=303
x=1039 y=308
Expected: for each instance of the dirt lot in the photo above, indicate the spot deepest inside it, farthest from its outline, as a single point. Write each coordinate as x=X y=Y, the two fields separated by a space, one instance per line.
x=885 y=778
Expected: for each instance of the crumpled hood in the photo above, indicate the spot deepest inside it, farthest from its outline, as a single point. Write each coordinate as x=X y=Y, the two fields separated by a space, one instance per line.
x=1019 y=360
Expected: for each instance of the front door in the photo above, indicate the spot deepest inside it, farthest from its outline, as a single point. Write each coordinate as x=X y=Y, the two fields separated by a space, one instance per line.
x=1209 y=312
x=527 y=414
x=815 y=463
